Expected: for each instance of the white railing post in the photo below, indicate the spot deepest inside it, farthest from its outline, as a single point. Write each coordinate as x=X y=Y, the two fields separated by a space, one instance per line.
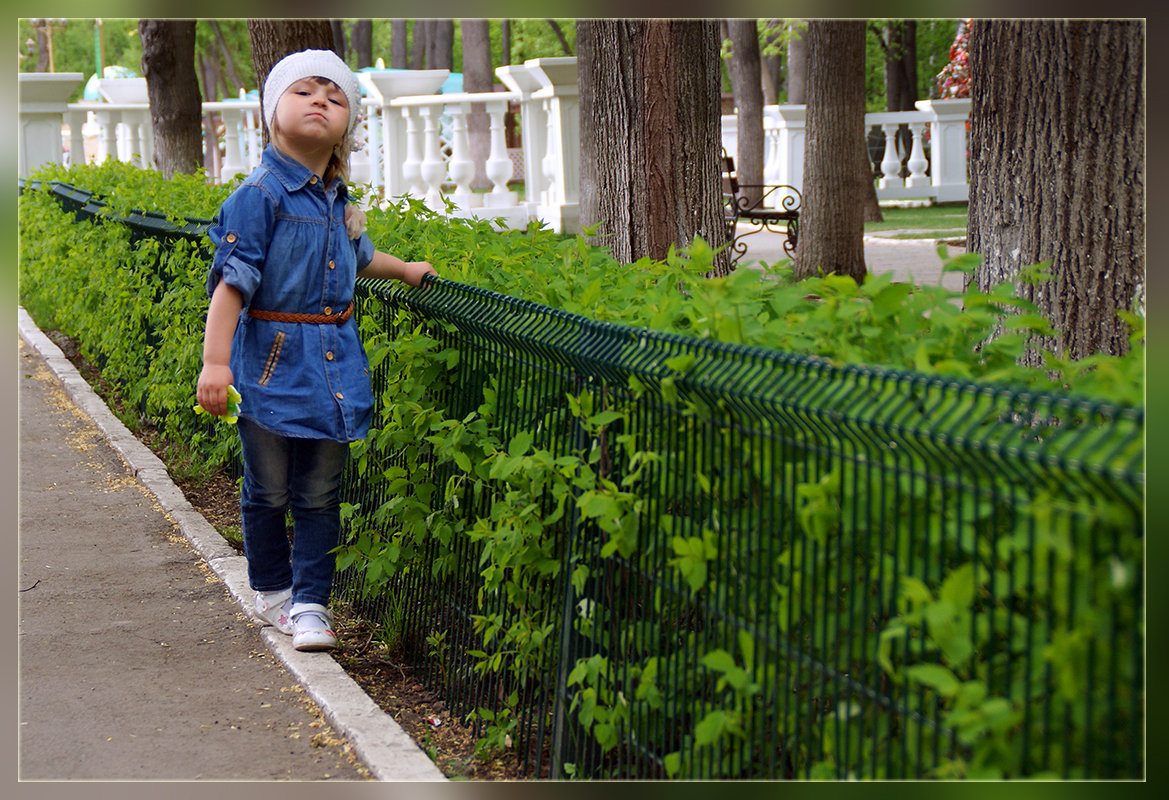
x=948 y=147
x=891 y=163
x=78 y=117
x=411 y=169
x=233 y=159
x=521 y=78
x=560 y=199
x=462 y=168
x=433 y=169
x=789 y=121
x=41 y=113
x=916 y=163
x=498 y=166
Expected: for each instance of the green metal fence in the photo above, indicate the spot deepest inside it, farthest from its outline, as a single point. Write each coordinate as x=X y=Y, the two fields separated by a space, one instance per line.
x=833 y=571
x=903 y=576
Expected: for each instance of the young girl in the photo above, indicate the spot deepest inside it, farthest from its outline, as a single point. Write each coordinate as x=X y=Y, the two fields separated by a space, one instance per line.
x=280 y=328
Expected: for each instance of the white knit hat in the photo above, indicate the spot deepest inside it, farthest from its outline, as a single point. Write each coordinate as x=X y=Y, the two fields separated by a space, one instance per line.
x=311 y=64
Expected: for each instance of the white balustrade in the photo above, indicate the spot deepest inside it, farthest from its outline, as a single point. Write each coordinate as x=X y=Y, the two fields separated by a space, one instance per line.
x=416 y=141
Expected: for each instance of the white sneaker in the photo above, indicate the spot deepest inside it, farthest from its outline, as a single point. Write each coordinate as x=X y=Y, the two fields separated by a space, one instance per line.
x=312 y=627
x=275 y=608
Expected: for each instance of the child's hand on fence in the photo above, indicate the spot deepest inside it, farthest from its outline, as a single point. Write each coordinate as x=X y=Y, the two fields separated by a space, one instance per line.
x=413 y=272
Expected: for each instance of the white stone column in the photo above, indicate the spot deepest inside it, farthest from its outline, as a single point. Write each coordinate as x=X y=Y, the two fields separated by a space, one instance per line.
x=41 y=113
x=521 y=78
x=560 y=202
x=948 y=147
x=789 y=122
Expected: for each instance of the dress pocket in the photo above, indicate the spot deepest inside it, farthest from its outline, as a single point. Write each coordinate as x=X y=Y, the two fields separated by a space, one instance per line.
x=273 y=358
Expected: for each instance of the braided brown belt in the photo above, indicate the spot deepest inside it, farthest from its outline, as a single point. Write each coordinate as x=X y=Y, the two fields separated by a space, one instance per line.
x=312 y=319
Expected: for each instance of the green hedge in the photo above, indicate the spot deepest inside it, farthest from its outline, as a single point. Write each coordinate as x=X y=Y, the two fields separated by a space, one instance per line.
x=137 y=305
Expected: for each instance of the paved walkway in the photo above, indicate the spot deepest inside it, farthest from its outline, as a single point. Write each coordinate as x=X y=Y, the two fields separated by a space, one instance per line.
x=915 y=260
x=137 y=661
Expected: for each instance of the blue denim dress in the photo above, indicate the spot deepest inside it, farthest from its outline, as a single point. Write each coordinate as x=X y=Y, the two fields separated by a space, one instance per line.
x=280 y=240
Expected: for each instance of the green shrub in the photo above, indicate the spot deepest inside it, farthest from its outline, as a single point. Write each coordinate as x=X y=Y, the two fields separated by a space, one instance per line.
x=447 y=471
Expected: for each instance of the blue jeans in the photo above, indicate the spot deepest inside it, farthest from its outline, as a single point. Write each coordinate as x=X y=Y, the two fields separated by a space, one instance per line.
x=303 y=476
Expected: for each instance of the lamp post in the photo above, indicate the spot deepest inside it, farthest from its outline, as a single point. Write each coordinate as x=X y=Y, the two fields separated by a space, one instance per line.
x=48 y=26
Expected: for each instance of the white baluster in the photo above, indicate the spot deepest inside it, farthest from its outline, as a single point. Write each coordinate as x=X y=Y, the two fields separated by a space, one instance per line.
x=917 y=161
x=549 y=194
x=462 y=168
x=76 y=137
x=251 y=156
x=107 y=142
x=373 y=147
x=498 y=166
x=432 y=170
x=233 y=162
x=133 y=140
x=412 y=165
x=388 y=146
x=890 y=164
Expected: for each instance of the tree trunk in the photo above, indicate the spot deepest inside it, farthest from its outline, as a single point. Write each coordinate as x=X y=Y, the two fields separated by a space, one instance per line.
x=210 y=140
x=233 y=75
x=398 y=44
x=172 y=87
x=272 y=40
x=650 y=135
x=831 y=221
x=899 y=41
x=478 y=77
x=338 y=29
x=797 y=68
x=419 y=44
x=441 y=44
x=560 y=36
x=504 y=42
x=1057 y=140
x=746 y=84
x=43 y=50
x=362 y=37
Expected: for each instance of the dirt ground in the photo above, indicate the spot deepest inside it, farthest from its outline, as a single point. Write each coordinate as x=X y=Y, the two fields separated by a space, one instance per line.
x=384 y=676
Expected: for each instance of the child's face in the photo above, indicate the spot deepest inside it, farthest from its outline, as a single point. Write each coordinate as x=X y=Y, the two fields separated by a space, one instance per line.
x=312 y=111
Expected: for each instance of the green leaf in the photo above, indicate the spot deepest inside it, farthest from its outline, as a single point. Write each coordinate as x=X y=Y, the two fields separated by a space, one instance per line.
x=519 y=444
x=937 y=677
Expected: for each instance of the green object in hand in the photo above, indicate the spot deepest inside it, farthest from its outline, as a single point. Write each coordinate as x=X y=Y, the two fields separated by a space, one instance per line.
x=233 y=400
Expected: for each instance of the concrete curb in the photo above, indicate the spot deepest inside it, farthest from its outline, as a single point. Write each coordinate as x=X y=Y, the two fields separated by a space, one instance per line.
x=381 y=744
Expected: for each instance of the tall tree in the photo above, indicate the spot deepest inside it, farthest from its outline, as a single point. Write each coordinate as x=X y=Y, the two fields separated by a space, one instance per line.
x=504 y=42
x=441 y=44
x=338 y=28
x=797 y=66
x=898 y=40
x=478 y=77
x=272 y=40
x=399 y=58
x=419 y=44
x=1057 y=141
x=361 y=34
x=237 y=82
x=831 y=224
x=746 y=83
x=650 y=135
x=172 y=87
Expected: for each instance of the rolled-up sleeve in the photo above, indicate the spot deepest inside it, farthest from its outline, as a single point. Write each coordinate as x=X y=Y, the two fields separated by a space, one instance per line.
x=363 y=248
x=242 y=230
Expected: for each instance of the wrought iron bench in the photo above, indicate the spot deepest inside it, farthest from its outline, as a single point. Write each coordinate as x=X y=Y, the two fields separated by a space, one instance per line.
x=743 y=205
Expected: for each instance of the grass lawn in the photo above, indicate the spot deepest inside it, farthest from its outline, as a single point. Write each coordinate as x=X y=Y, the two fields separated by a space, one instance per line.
x=925 y=222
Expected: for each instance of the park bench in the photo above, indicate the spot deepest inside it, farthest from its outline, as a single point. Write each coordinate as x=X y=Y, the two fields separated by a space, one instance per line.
x=741 y=204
